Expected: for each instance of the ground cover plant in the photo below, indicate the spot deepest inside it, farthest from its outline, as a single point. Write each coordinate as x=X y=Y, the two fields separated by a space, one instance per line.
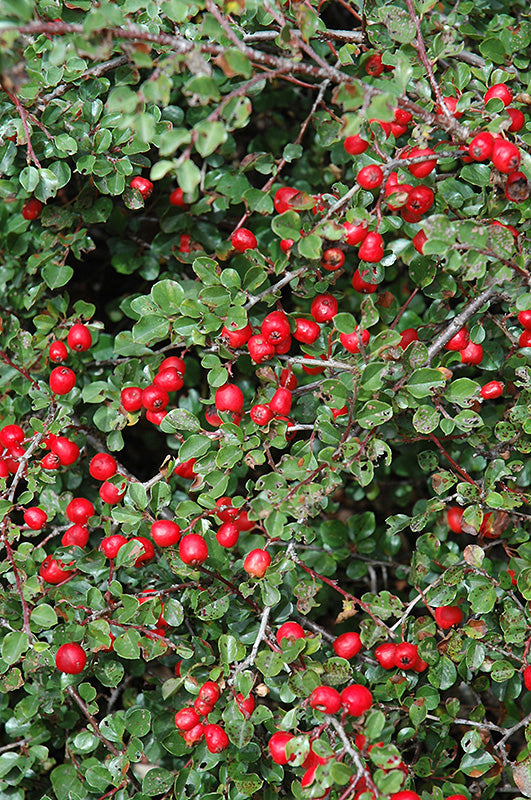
x=265 y=400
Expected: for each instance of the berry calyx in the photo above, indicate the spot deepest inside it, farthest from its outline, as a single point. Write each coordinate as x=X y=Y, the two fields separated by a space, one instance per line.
x=406 y=655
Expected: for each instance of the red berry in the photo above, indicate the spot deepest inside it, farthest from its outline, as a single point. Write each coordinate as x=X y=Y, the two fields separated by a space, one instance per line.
x=186 y=719
x=505 y=156
x=209 y=693
x=324 y=307
x=275 y=327
x=405 y=795
x=79 y=510
x=193 y=549
x=228 y=534
x=517 y=187
x=372 y=248
x=102 y=466
x=288 y=379
x=481 y=146
x=50 y=461
x=261 y=414
x=280 y=403
x=71 y=658
x=186 y=469
x=525 y=338
x=225 y=511
x=397 y=195
x=229 y=398
x=524 y=318
x=131 y=398
x=277 y=747
x=148 y=551
x=286 y=245
x=79 y=338
x=173 y=362
x=282 y=198
x=243 y=239
x=238 y=337
x=501 y=91
x=448 y=616
x=216 y=739
x=419 y=240
x=406 y=655
x=517 y=120
x=333 y=259
x=260 y=349
x=58 y=352
x=385 y=655
x=62 y=380
x=347 y=645
x=407 y=336
x=491 y=390
x=156 y=417
x=165 y=533
x=169 y=380
x=256 y=563
x=472 y=354
x=306 y=330
x=32 y=209
x=144 y=186
x=76 y=535
x=374 y=66
x=314 y=370
x=362 y=286
x=422 y=168
x=11 y=435
x=420 y=199
x=402 y=117
x=290 y=631
x=451 y=105
x=356 y=699
x=354 y=145
x=111 y=544
x=66 y=451
x=325 y=699
x=176 y=198
x=453 y=518
x=52 y=571
x=245 y=704
x=35 y=518
x=351 y=341
x=370 y=177
x=154 y=398
x=527 y=678
x=458 y=340
x=355 y=233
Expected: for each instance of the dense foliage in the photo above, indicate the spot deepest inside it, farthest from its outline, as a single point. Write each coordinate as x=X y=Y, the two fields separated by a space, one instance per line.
x=248 y=188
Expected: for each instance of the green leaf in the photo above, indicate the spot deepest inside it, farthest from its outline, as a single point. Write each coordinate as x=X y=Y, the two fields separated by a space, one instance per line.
x=14 y=645
x=188 y=176
x=374 y=413
x=399 y=24
x=179 y=419
x=157 y=781
x=56 y=275
x=43 y=616
x=138 y=721
x=425 y=382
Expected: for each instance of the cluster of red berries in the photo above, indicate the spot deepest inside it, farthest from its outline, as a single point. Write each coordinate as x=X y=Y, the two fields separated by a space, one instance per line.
x=391 y=655
x=191 y=721
x=487 y=530
x=155 y=397
x=524 y=318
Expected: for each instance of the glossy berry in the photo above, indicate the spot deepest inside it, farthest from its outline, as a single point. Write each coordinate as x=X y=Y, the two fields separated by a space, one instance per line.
x=422 y=168
x=525 y=338
x=324 y=307
x=154 y=398
x=52 y=571
x=256 y=563
x=186 y=719
x=229 y=398
x=238 y=337
x=362 y=286
x=11 y=435
x=144 y=186
x=505 y=156
x=347 y=645
x=458 y=340
x=111 y=544
x=356 y=699
x=32 y=209
x=79 y=338
x=275 y=327
x=420 y=199
x=277 y=747
x=418 y=241
x=282 y=198
x=62 y=380
x=491 y=390
x=524 y=318
x=176 y=198
x=245 y=704
x=228 y=534
x=112 y=493
x=290 y=631
x=280 y=403
x=406 y=655
x=35 y=518
x=79 y=510
x=286 y=245
x=501 y=91
x=50 y=461
x=225 y=510
x=186 y=469
x=472 y=354
x=169 y=380
x=193 y=549
x=333 y=259
x=260 y=349
x=451 y=105
x=517 y=120
x=131 y=398
x=156 y=417
x=209 y=693
x=354 y=145
x=76 y=535
x=407 y=336
x=261 y=414
x=306 y=330
x=370 y=177
x=71 y=658
x=355 y=232
x=453 y=518
x=385 y=655
x=374 y=65
x=352 y=341
x=405 y=795
x=66 y=450
x=243 y=239
x=147 y=550
x=397 y=195
x=165 y=533
x=448 y=616
x=481 y=146
x=215 y=738
x=58 y=352
x=102 y=466
x=325 y=699
x=372 y=248
x=527 y=678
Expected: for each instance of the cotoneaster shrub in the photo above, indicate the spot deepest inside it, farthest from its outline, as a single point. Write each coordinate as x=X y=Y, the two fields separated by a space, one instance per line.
x=264 y=360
